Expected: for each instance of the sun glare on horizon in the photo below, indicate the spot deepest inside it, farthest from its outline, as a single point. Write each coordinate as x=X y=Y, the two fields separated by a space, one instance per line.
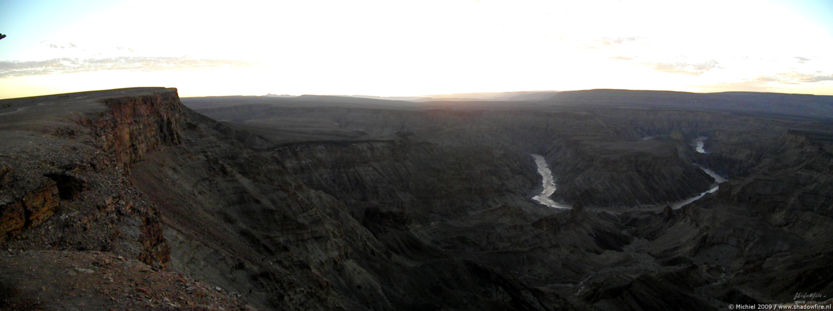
x=415 y=48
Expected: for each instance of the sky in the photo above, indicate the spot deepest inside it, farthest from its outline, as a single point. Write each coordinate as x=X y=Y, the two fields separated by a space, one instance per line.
x=412 y=48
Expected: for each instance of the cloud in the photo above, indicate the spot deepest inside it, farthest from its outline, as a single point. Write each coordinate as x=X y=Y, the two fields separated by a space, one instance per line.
x=795 y=77
x=62 y=46
x=801 y=60
x=817 y=78
x=616 y=40
x=607 y=42
x=75 y=49
x=76 y=65
x=767 y=79
x=695 y=69
x=779 y=82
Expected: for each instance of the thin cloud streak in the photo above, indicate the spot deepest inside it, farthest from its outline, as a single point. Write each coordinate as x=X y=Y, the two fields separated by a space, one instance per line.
x=795 y=78
x=694 y=69
x=76 y=65
x=680 y=67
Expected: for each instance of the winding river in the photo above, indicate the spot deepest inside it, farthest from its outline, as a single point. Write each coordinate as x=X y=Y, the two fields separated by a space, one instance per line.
x=699 y=147
x=547 y=184
x=679 y=204
x=548 y=180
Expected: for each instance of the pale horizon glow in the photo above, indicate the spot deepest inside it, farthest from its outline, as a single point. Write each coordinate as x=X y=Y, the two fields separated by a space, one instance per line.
x=397 y=48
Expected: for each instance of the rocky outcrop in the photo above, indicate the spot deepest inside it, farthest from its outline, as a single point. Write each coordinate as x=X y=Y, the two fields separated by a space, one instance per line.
x=74 y=166
x=135 y=125
x=64 y=187
x=30 y=211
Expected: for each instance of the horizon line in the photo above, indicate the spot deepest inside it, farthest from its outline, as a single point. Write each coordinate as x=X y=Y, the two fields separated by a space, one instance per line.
x=436 y=96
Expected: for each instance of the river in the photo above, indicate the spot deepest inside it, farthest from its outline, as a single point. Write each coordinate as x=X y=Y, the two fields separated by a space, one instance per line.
x=547 y=184
x=699 y=147
x=699 y=144
x=548 y=180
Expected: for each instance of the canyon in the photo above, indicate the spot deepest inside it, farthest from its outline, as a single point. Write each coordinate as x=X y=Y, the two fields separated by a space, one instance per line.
x=136 y=198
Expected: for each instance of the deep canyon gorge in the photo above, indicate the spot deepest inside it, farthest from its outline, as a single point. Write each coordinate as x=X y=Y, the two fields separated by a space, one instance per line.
x=585 y=200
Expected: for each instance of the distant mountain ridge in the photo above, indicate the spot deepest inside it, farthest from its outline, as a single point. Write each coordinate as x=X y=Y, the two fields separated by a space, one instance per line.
x=800 y=105
x=803 y=105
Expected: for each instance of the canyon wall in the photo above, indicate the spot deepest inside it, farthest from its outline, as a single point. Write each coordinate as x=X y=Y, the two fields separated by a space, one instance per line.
x=75 y=166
